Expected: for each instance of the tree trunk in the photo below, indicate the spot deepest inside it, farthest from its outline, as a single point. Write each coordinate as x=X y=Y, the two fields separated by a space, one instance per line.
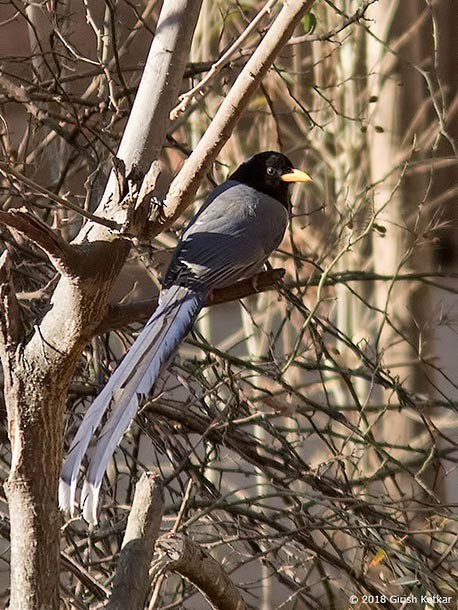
x=36 y=439
x=36 y=386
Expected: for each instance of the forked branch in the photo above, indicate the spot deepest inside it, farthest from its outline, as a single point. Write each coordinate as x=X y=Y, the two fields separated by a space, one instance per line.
x=63 y=256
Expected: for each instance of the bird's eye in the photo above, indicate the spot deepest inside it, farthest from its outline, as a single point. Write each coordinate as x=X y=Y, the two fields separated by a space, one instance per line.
x=270 y=171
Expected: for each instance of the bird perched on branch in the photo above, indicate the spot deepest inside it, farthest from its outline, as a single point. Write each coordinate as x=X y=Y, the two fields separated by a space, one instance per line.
x=240 y=224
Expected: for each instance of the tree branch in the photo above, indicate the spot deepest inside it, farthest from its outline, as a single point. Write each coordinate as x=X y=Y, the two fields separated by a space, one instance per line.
x=146 y=128
x=39 y=377
x=131 y=581
x=184 y=187
x=9 y=171
x=63 y=256
x=104 y=251
x=84 y=576
x=193 y=563
x=119 y=316
x=68 y=563
x=20 y=95
x=186 y=98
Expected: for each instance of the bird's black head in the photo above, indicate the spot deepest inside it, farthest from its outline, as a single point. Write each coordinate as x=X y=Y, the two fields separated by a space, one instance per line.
x=270 y=172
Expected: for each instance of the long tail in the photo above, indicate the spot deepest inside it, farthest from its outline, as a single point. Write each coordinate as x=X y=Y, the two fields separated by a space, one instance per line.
x=135 y=376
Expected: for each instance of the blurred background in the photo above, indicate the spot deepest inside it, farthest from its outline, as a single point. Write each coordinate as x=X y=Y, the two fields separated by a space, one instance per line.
x=307 y=435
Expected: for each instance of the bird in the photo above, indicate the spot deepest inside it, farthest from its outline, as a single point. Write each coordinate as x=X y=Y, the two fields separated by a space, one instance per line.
x=240 y=224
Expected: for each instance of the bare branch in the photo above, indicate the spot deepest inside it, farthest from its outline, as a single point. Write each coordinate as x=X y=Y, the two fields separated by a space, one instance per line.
x=131 y=581
x=119 y=316
x=7 y=170
x=41 y=375
x=19 y=94
x=184 y=187
x=186 y=99
x=148 y=121
x=193 y=563
x=62 y=255
x=69 y=563
x=139 y=203
x=266 y=280
x=84 y=576
x=349 y=20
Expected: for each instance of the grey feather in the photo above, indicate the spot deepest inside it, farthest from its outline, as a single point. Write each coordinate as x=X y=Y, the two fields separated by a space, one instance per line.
x=229 y=239
x=135 y=376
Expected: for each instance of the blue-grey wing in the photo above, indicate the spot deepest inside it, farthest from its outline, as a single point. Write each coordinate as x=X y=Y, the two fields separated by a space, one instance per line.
x=230 y=238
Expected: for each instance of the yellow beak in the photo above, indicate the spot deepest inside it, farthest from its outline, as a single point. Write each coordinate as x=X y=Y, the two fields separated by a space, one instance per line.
x=296 y=175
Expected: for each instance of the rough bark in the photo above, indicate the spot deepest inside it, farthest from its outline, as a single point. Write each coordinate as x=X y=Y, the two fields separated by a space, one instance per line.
x=196 y=565
x=36 y=437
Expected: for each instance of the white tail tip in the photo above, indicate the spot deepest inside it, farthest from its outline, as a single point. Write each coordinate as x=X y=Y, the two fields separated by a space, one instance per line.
x=67 y=496
x=89 y=502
